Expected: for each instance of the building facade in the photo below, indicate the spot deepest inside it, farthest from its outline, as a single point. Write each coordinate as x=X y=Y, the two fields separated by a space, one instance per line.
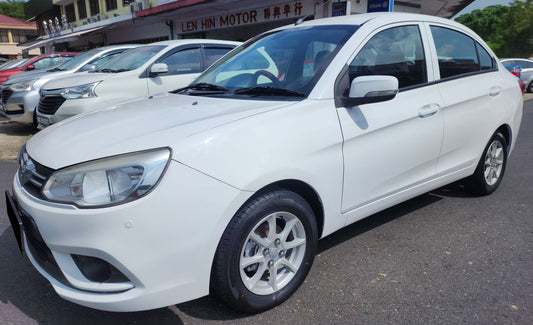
x=12 y=32
x=83 y=24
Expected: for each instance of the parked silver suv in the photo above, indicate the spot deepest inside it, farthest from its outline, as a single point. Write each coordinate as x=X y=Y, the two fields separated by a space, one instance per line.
x=20 y=93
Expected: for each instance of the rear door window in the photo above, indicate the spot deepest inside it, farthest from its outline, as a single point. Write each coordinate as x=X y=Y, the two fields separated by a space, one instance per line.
x=183 y=62
x=459 y=54
x=214 y=53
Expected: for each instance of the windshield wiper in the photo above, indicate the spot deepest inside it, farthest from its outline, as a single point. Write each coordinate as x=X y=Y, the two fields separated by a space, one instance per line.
x=268 y=91
x=203 y=87
x=54 y=70
x=111 y=70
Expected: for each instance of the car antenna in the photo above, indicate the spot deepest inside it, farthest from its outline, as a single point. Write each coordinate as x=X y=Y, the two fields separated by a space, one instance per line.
x=302 y=19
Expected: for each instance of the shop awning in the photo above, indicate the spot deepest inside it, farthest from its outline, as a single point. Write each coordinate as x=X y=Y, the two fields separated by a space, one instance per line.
x=59 y=39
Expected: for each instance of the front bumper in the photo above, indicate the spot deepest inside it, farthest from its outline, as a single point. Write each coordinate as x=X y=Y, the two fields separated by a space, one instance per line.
x=163 y=243
x=69 y=108
x=20 y=106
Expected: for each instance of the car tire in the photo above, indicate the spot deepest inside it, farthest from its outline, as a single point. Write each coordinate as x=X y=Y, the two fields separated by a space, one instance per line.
x=491 y=167
x=273 y=231
x=34 y=122
x=529 y=88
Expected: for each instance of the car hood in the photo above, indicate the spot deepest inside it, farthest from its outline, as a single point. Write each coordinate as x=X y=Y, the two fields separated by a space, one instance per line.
x=31 y=75
x=81 y=78
x=8 y=71
x=166 y=120
x=27 y=75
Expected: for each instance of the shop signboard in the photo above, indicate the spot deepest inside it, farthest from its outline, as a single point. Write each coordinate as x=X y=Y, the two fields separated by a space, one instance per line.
x=338 y=8
x=380 y=5
x=289 y=10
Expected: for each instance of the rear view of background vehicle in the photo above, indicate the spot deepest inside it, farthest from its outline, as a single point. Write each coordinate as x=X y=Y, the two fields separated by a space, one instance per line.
x=525 y=71
x=140 y=72
x=20 y=93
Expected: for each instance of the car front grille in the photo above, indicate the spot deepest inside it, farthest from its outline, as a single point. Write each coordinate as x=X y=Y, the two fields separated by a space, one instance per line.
x=6 y=93
x=32 y=175
x=49 y=104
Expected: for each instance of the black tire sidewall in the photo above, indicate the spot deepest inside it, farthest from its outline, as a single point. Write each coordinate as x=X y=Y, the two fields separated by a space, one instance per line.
x=232 y=290
x=478 y=183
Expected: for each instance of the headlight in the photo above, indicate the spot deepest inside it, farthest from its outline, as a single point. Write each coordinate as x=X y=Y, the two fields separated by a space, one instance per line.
x=82 y=91
x=23 y=85
x=108 y=181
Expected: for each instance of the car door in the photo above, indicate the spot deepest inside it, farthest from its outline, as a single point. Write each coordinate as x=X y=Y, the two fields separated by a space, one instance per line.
x=472 y=92
x=390 y=148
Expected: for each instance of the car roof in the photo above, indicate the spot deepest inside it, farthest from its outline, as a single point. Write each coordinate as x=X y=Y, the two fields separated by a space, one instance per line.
x=381 y=18
x=51 y=54
x=179 y=42
x=114 y=47
x=521 y=59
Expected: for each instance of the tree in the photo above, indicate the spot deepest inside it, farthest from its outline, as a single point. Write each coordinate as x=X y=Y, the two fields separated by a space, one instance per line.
x=507 y=30
x=13 y=8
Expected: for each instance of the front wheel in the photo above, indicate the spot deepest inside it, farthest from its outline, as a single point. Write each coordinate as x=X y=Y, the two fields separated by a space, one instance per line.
x=265 y=252
x=491 y=167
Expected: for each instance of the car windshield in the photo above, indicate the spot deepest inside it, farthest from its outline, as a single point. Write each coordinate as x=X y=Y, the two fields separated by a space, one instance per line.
x=286 y=63
x=20 y=63
x=131 y=59
x=5 y=64
x=77 y=61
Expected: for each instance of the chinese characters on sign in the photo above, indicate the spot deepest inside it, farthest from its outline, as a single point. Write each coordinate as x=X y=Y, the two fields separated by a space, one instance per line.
x=283 y=11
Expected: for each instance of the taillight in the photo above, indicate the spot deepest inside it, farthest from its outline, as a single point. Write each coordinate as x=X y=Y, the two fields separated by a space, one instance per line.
x=515 y=71
x=522 y=86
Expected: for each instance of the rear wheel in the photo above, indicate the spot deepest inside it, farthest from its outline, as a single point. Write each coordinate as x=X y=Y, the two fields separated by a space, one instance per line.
x=265 y=252
x=529 y=88
x=491 y=167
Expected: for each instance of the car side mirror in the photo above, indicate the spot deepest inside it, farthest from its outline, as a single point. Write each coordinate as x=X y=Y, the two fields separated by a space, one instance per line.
x=30 y=67
x=158 y=68
x=372 y=89
x=88 y=67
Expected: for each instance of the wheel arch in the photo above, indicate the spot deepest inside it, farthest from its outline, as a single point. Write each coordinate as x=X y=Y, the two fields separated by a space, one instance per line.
x=306 y=191
x=505 y=130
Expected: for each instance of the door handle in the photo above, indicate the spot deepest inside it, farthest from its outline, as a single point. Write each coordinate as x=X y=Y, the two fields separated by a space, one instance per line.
x=495 y=91
x=428 y=110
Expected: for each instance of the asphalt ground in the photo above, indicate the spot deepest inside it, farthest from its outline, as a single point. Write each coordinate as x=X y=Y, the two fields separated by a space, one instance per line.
x=444 y=257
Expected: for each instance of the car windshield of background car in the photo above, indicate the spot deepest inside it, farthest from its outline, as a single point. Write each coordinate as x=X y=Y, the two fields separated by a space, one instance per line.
x=131 y=59
x=77 y=60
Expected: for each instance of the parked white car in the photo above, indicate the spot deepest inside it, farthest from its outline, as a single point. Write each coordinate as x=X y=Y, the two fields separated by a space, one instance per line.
x=229 y=183
x=20 y=92
x=139 y=73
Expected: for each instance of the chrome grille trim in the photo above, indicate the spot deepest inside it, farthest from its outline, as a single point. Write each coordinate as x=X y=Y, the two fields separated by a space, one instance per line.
x=32 y=175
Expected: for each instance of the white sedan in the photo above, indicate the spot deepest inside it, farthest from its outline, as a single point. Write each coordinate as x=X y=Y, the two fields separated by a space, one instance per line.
x=229 y=183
